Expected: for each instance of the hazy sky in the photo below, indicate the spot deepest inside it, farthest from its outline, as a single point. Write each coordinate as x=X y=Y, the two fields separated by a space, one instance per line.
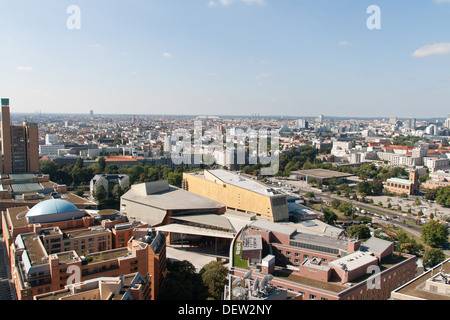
x=239 y=57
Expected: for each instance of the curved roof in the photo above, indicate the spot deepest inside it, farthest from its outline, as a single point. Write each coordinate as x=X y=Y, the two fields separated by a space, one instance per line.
x=51 y=206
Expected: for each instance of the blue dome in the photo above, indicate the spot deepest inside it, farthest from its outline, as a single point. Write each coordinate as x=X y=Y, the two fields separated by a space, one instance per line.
x=52 y=206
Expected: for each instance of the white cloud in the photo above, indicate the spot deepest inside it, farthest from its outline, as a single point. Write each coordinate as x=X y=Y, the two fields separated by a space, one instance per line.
x=441 y=48
x=344 y=43
x=167 y=55
x=23 y=68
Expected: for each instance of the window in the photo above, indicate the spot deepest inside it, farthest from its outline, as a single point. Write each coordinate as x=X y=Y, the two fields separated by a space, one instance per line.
x=433 y=288
x=312 y=297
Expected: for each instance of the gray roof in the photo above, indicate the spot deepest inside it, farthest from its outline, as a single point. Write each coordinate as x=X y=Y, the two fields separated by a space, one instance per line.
x=376 y=245
x=172 y=198
x=214 y=220
x=274 y=227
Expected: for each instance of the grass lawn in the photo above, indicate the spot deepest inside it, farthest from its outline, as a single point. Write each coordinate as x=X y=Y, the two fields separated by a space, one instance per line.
x=238 y=262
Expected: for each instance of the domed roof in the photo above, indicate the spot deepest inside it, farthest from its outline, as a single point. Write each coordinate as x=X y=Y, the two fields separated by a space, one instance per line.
x=51 y=206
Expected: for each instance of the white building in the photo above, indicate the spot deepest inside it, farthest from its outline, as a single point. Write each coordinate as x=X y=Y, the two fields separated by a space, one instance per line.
x=51 y=139
x=341 y=149
x=109 y=179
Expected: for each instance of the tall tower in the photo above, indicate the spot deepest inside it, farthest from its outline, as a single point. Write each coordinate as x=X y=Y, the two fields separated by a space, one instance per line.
x=6 y=138
x=20 y=147
x=413 y=178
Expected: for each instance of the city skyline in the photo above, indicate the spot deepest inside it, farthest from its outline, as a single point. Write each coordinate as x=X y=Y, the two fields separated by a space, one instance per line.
x=227 y=57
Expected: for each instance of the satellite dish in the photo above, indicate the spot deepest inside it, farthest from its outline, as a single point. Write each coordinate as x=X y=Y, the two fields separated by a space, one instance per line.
x=238 y=293
x=256 y=284
x=237 y=282
x=247 y=275
x=264 y=282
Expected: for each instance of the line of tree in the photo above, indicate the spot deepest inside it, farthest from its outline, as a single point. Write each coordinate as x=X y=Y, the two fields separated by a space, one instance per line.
x=79 y=175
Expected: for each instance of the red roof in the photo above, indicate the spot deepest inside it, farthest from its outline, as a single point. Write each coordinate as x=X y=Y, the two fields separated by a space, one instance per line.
x=121 y=158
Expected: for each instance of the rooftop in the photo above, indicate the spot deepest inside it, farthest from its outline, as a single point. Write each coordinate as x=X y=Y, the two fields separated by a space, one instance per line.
x=322 y=173
x=414 y=288
x=241 y=181
x=353 y=261
x=171 y=198
x=398 y=180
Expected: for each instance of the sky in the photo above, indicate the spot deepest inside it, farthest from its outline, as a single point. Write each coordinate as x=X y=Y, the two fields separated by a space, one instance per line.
x=227 y=57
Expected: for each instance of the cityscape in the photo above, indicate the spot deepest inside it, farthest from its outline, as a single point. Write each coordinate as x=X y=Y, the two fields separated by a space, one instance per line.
x=254 y=192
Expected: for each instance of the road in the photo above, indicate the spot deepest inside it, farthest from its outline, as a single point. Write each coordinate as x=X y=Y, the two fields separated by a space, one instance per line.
x=396 y=218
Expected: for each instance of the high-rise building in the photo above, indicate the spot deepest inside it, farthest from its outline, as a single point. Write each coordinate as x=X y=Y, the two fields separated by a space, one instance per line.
x=20 y=147
x=447 y=122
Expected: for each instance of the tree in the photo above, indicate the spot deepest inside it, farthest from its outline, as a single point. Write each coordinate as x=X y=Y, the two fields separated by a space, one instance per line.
x=49 y=167
x=182 y=282
x=346 y=208
x=359 y=231
x=431 y=194
x=408 y=245
x=433 y=256
x=434 y=233
x=102 y=163
x=117 y=191
x=329 y=216
x=100 y=193
x=309 y=195
x=214 y=276
x=443 y=196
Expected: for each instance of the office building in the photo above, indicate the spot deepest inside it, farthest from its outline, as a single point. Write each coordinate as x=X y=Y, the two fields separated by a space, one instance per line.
x=20 y=148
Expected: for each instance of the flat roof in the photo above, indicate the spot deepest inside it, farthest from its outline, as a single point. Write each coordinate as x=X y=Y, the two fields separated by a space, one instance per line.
x=273 y=226
x=353 y=261
x=172 y=199
x=324 y=241
x=26 y=187
x=213 y=220
x=243 y=182
x=252 y=242
x=322 y=173
x=413 y=288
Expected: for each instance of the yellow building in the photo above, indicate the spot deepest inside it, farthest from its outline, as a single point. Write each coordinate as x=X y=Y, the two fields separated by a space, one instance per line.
x=238 y=193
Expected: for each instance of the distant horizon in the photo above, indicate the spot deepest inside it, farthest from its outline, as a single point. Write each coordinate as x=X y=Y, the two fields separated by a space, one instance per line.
x=222 y=116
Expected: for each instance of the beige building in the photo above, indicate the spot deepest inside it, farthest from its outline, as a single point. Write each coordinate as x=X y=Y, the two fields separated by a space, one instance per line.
x=399 y=186
x=238 y=193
